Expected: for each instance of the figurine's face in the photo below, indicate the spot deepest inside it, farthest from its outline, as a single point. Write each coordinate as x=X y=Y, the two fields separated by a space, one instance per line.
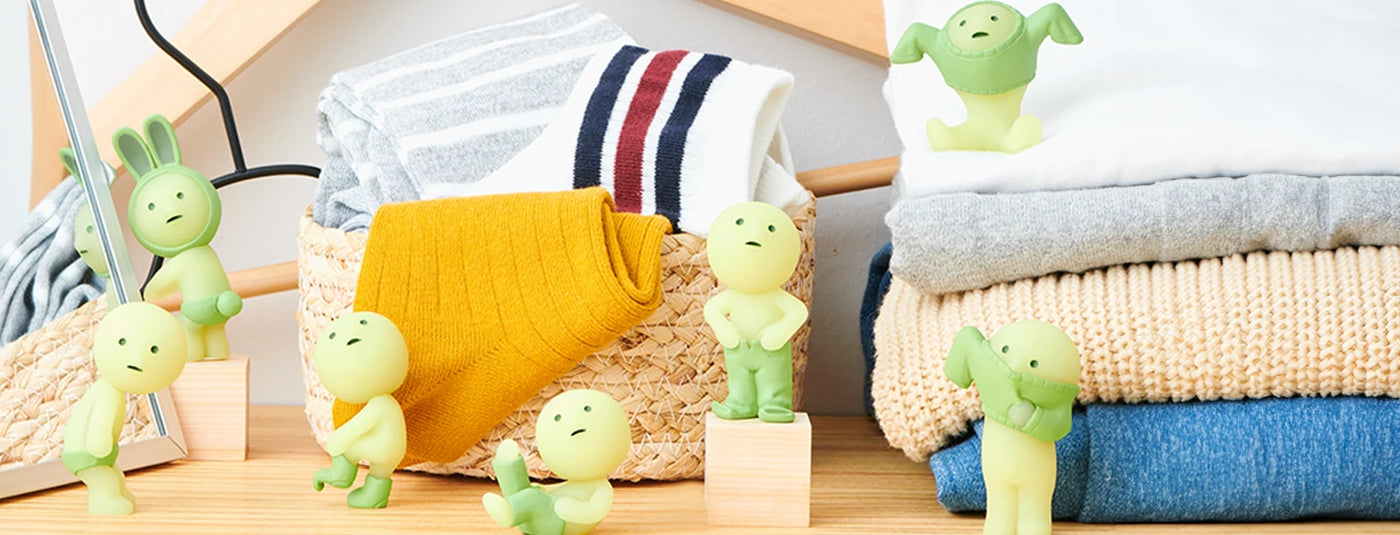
x=753 y=247
x=1038 y=348
x=87 y=242
x=981 y=26
x=170 y=210
x=139 y=348
x=582 y=434
x=361 y=355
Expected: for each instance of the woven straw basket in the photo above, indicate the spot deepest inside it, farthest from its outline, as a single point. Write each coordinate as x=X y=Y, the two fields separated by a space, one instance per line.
x=42 y=375
x=665 y=371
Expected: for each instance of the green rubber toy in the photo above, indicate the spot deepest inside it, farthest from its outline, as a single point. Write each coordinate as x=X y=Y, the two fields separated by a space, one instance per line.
x=362 y=358
x=1027 y=376
x=139 y=348
x=174 y=213
x=583 y=436
x=754 y=249
x=85 y=238
x=987 y=53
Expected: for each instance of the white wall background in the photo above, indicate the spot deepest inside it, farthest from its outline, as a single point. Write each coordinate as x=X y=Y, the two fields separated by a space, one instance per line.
x=836 y=116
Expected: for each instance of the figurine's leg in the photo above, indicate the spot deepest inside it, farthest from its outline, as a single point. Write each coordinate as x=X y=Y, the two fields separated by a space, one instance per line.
x=774 y=380
x=374 y=494
x=341 y=474
x=194 y=339
x=105 y=495
x=739 y=368
x=940 y=136
x=534 y=512
x=215 y=343
x=121 y=482
x=1024 y=134
x=1033 y=502
x=1001 y=509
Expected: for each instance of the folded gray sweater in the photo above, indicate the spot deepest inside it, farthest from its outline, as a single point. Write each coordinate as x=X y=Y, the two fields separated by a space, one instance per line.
x=965 y=241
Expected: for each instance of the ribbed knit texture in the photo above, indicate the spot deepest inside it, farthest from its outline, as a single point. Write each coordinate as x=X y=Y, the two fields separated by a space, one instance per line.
x=497 y=296
x=1241 y=326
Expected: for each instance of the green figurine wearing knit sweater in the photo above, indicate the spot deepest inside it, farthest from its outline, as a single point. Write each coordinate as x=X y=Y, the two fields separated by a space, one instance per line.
x=1027 y=376
x=987 y=53
x=362 y=358
x=754 y=249
x=174 y=213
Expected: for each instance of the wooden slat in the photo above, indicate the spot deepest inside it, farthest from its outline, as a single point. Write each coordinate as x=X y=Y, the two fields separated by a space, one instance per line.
x=858 y=26
x=850 y=177
x=224 y=37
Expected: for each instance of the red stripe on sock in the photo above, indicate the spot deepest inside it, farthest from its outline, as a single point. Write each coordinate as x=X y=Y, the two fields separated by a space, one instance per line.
x=631 y=142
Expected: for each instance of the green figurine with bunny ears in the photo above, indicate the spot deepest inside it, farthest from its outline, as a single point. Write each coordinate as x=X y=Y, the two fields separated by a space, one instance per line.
x=174 y=213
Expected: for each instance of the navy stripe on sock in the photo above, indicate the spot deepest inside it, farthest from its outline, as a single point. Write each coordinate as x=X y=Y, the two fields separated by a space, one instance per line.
x=670 y=148
x=588 y=154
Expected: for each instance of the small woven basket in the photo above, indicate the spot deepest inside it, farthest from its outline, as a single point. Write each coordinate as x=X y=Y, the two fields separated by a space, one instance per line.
x=665 y=371
x=42 y=375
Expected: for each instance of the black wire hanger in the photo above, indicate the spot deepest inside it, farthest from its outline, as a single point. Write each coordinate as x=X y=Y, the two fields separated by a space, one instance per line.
x=241 y=171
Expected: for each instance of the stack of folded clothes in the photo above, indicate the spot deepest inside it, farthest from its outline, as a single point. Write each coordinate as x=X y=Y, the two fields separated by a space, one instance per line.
x=1215 y=223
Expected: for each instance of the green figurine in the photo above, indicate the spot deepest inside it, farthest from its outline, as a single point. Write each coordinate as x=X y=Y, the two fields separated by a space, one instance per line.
x=85 y=238
x=754 y=249
x=1027 y=376
x=174 y=213
x=139 y=348
x=583 y=436
x=362 y=358
x=987 y=53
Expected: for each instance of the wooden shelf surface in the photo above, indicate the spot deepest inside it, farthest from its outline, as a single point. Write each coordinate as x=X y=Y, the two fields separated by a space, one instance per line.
x=859 y=485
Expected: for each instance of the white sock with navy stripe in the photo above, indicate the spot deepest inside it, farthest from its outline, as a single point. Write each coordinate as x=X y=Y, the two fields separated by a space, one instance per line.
x=676 y=133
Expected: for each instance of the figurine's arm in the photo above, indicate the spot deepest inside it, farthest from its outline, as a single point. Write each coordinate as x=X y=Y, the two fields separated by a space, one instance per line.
x=794 y=315
x=956 y=367
x=1053 y=21
x=916 y=41
x=717 y=315
x=165 y=281
x=590 y=511
x=99 y=426
x=345 y=435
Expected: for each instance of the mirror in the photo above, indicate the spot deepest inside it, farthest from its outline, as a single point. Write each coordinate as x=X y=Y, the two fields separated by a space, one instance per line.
x=44 y=372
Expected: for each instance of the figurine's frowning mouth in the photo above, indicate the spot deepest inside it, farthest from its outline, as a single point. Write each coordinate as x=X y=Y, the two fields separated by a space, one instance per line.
x=979 y=35
x=352 y=341
x=753 y=244
x=576 y=431
x=173 y=218
x=134 y=367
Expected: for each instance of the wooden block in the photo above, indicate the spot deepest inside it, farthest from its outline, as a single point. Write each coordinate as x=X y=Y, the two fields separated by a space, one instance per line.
x=211 y=401
x=758 y=474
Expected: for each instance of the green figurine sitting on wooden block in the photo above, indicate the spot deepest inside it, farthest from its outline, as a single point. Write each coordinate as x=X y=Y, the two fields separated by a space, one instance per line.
x=362 y=358
x=754 y=249
x=583 y=436
x=174 y=213
x=1027 y=376
x=987 y=53
x=139 y=348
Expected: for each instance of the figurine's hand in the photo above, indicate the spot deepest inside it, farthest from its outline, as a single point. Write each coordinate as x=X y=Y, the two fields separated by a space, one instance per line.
x=772 y=339
x=574 y=511
x=728 y=336
x=507 y=451
x=1021 y=412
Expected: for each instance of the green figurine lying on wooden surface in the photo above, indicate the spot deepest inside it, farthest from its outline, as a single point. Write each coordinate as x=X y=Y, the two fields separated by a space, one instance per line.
x=174 y=213
x=987 y=53
x=754 y=249
x=1027 y=376
x=139 y=348
x=583 y=436
x=362 y=358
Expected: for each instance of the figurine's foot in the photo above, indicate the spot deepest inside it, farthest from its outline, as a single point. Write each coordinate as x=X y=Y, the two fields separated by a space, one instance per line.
x=374 y=494
x=121 y=486
x=340 y=475
x=1024 y=134
x=730 y=413
x=940 y=136
x=776 y=415
x=499 y=508
x=110 y=504
x=229 y=304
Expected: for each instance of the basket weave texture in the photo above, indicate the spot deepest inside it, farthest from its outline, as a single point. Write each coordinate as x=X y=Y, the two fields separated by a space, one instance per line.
x=42 y=375
x=664 y=372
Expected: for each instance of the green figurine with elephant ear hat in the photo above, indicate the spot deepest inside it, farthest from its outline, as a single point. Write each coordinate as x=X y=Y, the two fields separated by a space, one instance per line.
x=987 y=53
x=174 y=213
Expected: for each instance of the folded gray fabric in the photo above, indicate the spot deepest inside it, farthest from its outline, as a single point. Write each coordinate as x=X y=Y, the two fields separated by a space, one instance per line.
x=449 y=111
x=965 y=241
x=41 y=276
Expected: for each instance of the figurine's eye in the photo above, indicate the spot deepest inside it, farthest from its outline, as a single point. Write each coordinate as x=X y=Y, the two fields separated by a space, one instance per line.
x=332 y=336
x=739 y=221
x=962 y=23
x=587 y=408
x=772 y=228
x=364 y=322
x=89 y=229
x=994 y=18
x=181 y=194
x=155 y=349
x=151 y=207
x=121 y=341
x=1005 y=349
x=558 y=417
x=1035 y=363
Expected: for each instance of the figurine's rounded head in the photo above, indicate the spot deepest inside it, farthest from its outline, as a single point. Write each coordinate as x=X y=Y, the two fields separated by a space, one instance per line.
x=87 y=242
x=753 y=247
x=173 y=207
x=982 y=25
x=361 y=355
x=582 y=434
x=139 y=348
x=1038 y=348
